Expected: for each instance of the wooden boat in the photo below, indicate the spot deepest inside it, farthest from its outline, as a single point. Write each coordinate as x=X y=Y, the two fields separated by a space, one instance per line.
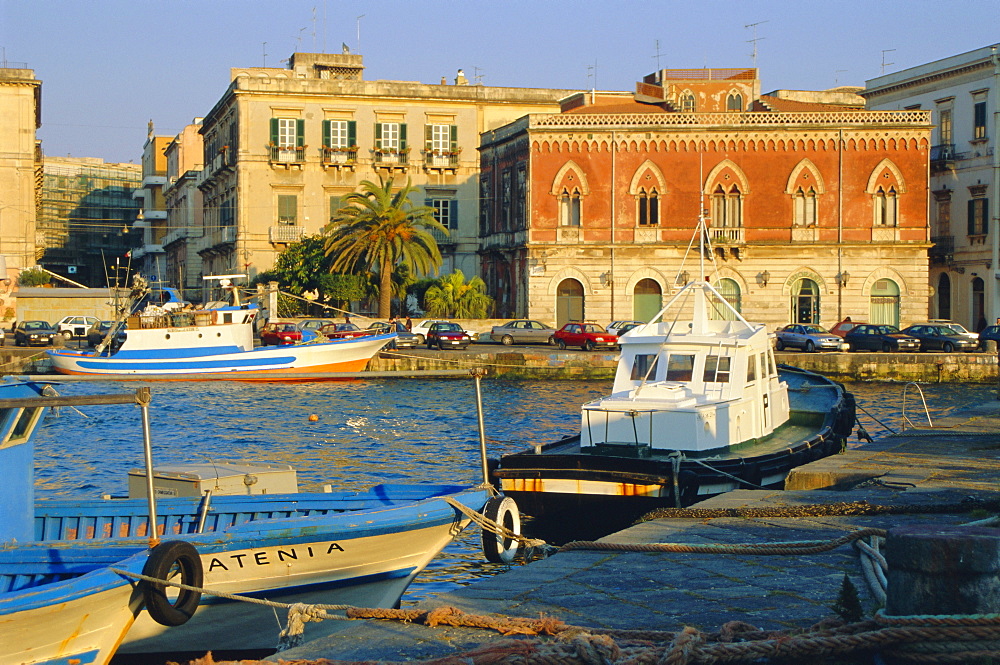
x=212 y=343
x=699 y=407
x=66 y=591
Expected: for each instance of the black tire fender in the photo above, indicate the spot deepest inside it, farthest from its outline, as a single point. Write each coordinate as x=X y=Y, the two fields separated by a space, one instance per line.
x=172 y=556
x=502 y=510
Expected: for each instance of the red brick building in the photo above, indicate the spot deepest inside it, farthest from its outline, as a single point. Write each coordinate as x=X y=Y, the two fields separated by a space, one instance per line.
x=816 y=210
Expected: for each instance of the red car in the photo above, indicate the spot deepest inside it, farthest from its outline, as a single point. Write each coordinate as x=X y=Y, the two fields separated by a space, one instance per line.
x=588 y=336
x=280 y=333
x=343 y=331
x=446 y=335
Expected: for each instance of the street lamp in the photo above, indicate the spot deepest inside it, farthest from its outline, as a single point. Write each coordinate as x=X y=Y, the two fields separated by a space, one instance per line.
x=842 y=278
x=763 y=278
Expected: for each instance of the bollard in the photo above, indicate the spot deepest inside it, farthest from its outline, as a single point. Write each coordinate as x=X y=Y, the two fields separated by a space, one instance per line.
x=943 y=570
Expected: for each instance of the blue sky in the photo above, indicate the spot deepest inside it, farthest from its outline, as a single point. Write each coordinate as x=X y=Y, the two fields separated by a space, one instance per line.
x=110 y=66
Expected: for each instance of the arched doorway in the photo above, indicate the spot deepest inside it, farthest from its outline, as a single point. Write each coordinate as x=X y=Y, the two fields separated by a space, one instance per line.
x=979 y=303
x=884 y=303
x=647 y=300
x=805 y=301
x=569 y=302
x=944 y=296
x=730 y=290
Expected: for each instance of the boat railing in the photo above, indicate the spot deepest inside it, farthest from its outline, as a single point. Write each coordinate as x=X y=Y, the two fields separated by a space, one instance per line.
x=188 y=319
x=639 y=448
x=923 y=401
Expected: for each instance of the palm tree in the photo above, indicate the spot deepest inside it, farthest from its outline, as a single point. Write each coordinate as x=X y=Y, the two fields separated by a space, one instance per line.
x=452 y=297
x=378 y=229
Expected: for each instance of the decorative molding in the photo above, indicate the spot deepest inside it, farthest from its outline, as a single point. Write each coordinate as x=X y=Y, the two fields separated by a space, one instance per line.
x=713 y=177
x=652 y=168
x=570 y=166
x=886 y=163
x=805 y=165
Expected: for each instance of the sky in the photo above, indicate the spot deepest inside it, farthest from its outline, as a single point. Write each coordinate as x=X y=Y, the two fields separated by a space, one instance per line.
x=108 y=67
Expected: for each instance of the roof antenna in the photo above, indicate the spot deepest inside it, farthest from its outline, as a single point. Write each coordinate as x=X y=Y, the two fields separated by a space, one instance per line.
x=754 y=40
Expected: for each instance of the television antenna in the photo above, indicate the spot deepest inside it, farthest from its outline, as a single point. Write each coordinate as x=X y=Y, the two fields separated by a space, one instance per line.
x=754 y=40
x=657 y=56
x=359 y=32
x=884 y=63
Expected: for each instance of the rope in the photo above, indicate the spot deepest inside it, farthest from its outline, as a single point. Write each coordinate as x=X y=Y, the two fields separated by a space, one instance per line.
x=486 y=524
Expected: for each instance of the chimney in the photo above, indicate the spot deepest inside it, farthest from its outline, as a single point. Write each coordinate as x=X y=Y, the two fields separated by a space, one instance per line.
x=460 y=78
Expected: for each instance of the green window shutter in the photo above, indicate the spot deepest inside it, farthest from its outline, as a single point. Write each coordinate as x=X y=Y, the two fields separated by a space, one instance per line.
x=454 y=137
x=334 y=206
x=327 y=139
x=986 y=216
x=402 y=136
x=300 y=133
x=972 y=217
x=378 y=134
x=274 y=131
x=428 y=134
x=352 y=133
x=452 y=214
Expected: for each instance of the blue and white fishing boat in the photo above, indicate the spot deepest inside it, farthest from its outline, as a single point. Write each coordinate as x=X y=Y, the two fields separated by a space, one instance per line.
x=157 y=341
x=67 y=586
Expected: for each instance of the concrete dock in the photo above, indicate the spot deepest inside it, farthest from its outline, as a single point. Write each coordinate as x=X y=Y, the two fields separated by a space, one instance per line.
x=948 y=475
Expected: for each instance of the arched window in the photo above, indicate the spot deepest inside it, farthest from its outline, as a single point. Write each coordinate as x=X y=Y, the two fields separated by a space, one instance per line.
x=647 y=300
x=730 y=290
x=569 y=302
x=569 y=208
x=649 y=207
x=805 y=207
x=886 y=213
x=805 y=301
x=687 y=103
x=734 y=102
x=944 y=296
x=884 y=306
x=727 y=208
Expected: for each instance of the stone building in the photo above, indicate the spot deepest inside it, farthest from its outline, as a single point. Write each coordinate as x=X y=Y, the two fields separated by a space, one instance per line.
x=150 y=258
x=185 y=227
x=283 y=145
x=816 y=209
x=963 y=94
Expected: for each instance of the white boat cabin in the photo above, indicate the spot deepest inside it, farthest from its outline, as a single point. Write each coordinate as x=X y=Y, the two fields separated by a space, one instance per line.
x=689 y=382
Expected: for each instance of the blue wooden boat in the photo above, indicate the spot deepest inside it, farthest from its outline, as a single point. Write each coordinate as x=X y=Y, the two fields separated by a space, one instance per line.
x=67 y=586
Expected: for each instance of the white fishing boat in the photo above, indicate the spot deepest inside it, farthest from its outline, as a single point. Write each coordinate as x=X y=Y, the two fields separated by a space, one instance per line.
x=68 y=591
x=156 y=341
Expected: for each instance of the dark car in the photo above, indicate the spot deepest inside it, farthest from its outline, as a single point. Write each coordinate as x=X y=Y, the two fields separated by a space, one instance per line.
x=404 y=338
x=447 y=335
x=522 y=331
x=879 y=337
x=34 y=333
x=588 y=336
x=989 y=333
x=280 y=332
x=99 y=331
x=807 y=337
x=939 y=337
x=342 y=331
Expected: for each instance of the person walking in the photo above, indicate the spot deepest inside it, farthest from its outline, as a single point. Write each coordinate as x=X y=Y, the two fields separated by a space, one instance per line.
x=409 y=324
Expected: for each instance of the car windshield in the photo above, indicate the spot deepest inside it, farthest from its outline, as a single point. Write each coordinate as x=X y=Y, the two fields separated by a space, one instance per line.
x=887 y=330
x=593 y=328
x=957 y=327
x=815 y=330
x=448 y=327
x=36 y=325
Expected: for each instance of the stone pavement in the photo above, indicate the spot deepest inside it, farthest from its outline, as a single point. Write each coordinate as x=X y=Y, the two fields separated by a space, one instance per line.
x=949 y=475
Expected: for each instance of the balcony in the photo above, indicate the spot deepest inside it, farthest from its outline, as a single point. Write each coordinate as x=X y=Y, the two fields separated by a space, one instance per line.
x=726 y=235
x=285 y=233
x=943 y=251
x=174 y=236
x=442 y=238
x=440 y=161
x=340 y=158
x=391 y=159
x=286 y=156
x=943 y=156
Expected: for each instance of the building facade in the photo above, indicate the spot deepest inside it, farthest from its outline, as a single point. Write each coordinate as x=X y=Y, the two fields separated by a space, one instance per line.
x=815 y=211
x=963 y=94
x=85 y=217
x=150 y=257
x=283 y=146
x=185 y=233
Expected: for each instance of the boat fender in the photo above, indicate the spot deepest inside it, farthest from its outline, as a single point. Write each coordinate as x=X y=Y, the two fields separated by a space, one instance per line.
x=844 y=426
x=166 y=561
x=502 y=510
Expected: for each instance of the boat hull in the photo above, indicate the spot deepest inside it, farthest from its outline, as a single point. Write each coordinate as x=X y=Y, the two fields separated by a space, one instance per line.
x=264 y=363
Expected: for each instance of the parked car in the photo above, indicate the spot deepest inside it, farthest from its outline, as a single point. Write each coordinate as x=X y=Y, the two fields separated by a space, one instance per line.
x=807 y=337
x=879 y=337
x=420 y=330
x=939 y=337
x=34 y=333
x=989 y=333
x=313 y=324
x=280 y=332
x=957 y=327
x=615 y=326
x=75 y=326
x=588 y=336
x=404 y=338
x=3 y=336
x=522 y=331
x=99 y=330
x=447 y=335
x=342 y=331
x=621 y=330
x=844 y=327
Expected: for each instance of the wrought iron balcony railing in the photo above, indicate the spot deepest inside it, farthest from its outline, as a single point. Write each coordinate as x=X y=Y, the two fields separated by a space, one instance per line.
x=287 y=155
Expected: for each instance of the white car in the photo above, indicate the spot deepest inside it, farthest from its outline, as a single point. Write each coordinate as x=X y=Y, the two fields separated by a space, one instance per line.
x=75 y=326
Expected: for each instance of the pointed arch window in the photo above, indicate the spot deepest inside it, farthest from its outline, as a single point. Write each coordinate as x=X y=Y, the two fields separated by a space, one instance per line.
x=570 y=208
x=734 y=102
x=687 y=103
x=727 y=207
x=806 y=207
x=886 y=207
x=649 y=207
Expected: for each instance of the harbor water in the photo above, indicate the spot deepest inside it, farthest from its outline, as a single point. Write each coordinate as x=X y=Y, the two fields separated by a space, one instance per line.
x=364 y=433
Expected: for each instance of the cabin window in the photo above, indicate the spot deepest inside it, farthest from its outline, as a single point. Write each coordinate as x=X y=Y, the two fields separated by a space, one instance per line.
x=644 y=367
x=22 y=427
x=751 y=369
x=680 y=368
x=770 y=365
x=717 y=369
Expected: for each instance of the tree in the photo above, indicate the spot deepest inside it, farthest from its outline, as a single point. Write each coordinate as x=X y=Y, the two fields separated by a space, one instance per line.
x=377 y=230
x=452 y=297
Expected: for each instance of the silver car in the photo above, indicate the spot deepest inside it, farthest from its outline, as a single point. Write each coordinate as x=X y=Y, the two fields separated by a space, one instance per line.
x=807 y=337
x=522 y=331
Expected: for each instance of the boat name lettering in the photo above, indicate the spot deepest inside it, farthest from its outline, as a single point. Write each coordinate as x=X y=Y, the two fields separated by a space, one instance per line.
x=262 y=558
